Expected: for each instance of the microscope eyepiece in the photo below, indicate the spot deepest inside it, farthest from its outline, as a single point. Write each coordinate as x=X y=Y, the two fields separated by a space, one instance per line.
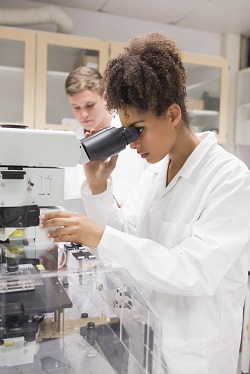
x=130 y=133
x=108 y=142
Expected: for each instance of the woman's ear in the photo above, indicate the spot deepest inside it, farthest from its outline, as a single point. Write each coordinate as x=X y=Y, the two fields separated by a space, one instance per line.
x=175 y=113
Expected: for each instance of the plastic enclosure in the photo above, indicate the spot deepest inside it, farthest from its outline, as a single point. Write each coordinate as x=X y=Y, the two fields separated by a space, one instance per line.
x=66 y=315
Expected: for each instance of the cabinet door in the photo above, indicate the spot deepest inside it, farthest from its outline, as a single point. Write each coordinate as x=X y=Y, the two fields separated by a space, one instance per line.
x=207 y=88
x=57 y=56
x=17 y=75
x=243 y=108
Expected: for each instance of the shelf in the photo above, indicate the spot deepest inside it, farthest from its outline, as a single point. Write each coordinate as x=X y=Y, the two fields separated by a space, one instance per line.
x=11 y=69
x=244 y=106
x=201 y=84
x=203 y=113
x=62 y=74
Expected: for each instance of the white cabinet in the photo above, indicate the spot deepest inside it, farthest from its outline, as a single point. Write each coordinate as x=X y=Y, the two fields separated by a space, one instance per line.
x=33 y=69
x=34 y=66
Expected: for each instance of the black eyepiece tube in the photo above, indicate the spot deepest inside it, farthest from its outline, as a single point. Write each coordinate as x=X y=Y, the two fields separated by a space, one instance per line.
x=108 y=142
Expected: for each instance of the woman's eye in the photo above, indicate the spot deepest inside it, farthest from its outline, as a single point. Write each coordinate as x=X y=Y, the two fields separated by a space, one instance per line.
x=140 y=129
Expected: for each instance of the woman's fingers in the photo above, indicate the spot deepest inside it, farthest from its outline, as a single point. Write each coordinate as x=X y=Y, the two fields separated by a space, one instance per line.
x=88 y=133
x=58 y=219
x=61 y=213
x=72 y=227
x=50 y=222
x=61 y=231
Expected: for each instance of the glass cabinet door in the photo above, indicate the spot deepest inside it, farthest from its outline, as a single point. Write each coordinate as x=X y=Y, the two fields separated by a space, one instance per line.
x=17 y=75
x=207 y=93
x=57 y=56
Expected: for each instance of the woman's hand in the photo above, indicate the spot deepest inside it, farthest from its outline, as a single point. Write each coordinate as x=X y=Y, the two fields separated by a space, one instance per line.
x=73 y=227
x=98 y=172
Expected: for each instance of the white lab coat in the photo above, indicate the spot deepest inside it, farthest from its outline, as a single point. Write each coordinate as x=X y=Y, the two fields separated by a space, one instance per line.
x=189 y=246
x=126 y=174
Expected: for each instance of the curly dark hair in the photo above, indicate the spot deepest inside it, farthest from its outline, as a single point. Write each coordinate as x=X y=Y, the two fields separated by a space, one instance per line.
x=148 y=75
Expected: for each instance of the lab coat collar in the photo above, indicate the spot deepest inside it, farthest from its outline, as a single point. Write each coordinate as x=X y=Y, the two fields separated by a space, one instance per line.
x=159 y=166
x=208 y=140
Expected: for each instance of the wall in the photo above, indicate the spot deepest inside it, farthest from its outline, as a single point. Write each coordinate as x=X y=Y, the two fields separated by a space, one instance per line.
x=121 y=29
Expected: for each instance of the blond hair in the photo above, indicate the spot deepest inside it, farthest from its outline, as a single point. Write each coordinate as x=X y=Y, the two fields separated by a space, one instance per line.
x=84 y=78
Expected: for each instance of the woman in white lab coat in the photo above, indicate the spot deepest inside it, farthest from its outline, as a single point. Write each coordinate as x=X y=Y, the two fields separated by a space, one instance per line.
x=184 y=234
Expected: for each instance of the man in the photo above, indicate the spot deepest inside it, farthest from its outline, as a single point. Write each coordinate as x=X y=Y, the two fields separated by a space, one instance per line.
x=86 y=95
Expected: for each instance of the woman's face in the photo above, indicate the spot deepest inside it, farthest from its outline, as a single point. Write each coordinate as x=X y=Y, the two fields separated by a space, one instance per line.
x=89 y=108
x=157 y=134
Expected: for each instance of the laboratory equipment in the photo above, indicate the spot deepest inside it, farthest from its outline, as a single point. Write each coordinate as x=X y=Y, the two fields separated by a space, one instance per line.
x=61 y=312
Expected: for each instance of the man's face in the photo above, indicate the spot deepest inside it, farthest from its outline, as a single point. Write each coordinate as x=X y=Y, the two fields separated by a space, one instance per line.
x=89 y=108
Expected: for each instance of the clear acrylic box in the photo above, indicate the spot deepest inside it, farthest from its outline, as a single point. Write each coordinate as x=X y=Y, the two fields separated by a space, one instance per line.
x=63 y=310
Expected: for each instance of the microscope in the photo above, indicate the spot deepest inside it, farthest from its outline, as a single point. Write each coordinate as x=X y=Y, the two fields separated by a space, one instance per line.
x=32 y=183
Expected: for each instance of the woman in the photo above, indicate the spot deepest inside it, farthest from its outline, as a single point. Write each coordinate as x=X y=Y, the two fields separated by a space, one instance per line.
x=184 y=234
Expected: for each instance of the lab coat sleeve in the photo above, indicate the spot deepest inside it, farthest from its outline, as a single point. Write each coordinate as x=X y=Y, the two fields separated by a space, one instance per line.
x=217 y=241
x=103 y=208
x=97 y=206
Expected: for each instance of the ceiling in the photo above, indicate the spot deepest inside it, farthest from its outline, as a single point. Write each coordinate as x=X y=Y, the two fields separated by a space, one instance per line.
x=222 y=16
